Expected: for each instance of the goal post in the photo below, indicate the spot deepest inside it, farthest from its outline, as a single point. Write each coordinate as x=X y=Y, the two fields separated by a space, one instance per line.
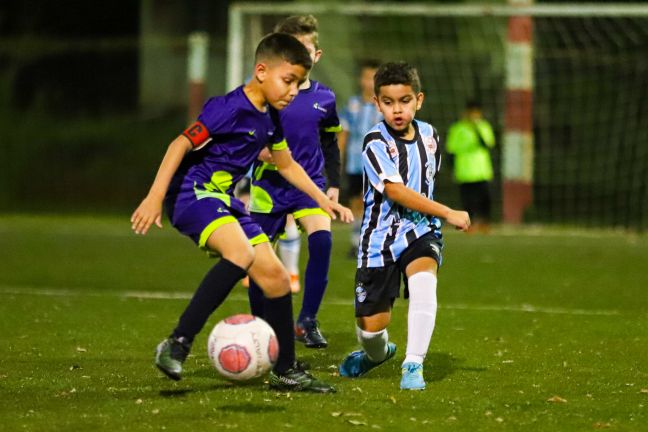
x=568 y=115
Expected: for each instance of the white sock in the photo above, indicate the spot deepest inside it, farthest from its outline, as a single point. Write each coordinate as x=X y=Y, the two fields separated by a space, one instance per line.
x=373 y=343
x=421 y=315
x=289 y=248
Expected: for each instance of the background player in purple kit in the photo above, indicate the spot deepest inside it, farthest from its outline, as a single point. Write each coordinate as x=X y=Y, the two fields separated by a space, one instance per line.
x=197 y=188
x=310 y=125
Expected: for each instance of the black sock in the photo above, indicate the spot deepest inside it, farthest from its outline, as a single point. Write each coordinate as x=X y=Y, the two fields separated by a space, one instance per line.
x=256 y=299
x=278 y=313
x=211 y=292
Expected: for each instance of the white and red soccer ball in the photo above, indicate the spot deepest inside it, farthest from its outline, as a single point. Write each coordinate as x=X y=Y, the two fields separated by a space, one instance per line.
x=242 y=347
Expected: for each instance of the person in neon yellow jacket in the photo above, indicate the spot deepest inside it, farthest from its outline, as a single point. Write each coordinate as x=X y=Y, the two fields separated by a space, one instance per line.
x=469 y=143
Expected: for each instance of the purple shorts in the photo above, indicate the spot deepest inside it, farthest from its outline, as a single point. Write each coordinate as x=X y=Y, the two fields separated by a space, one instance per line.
x=274 y=224
x=201 y=218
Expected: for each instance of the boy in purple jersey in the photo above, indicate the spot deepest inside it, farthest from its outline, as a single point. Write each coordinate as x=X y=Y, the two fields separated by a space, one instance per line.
x=196 y=180
x=310 y=124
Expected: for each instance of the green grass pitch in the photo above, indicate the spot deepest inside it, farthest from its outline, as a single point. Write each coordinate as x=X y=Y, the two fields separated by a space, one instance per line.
x=537 y=330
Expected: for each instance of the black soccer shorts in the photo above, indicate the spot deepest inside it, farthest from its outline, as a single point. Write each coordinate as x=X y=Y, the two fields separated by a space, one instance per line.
x=376 y=288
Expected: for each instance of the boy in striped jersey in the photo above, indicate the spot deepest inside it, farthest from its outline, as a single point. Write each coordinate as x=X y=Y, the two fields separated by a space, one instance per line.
x=401 y=230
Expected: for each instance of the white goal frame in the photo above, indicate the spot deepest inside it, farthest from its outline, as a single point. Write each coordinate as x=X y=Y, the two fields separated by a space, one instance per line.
x=238 y=11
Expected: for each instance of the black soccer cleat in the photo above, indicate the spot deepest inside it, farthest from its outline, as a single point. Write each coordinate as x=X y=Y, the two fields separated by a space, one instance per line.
x=169 y=356
x=298 y=380
x=308 y=332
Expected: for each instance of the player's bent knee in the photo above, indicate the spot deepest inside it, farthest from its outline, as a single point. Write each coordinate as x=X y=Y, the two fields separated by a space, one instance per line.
x=242 y=257
x=276 y=282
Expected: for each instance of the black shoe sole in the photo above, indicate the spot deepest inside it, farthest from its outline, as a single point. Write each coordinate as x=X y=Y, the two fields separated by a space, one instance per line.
x=310 y=344
x=173 y=376
x=304 y=390
x=316 y=346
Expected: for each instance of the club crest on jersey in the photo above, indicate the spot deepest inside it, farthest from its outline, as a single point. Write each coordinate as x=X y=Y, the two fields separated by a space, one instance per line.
x=430 y=144
x=361 y=293
x=317 y=106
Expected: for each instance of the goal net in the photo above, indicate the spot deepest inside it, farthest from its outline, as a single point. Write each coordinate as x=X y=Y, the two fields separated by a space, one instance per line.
x=589 y=90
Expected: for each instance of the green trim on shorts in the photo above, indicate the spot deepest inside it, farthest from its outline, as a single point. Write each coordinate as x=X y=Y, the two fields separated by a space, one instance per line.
x=310 y=211
x=261 y=238
x=337 y=128
x=213 y=226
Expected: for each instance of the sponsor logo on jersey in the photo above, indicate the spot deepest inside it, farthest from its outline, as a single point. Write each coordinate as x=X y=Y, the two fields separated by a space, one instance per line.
x=317 y=106
x=393 y=150
x=429 y=170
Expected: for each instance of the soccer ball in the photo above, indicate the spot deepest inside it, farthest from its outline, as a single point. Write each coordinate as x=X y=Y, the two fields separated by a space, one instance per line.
x=242 y=347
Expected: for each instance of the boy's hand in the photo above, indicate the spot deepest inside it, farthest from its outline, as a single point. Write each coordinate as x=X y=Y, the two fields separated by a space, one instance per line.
x=148 y=212
x=266 y=156
x=333 y=193
x=331 y=207
x=459 y=219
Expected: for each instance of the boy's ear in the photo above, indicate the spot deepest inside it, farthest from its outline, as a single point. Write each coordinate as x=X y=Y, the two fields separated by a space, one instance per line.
x=260 y=72
x=317 y=56
x=419 y=100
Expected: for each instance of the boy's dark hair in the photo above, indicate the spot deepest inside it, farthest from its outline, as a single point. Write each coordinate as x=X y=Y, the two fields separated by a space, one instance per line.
x=397 y=73
x=299 y=25
x=285 y=47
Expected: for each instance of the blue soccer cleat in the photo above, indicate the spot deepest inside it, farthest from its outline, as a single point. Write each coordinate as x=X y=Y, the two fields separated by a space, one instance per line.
x=357 y=363
x=412 y=376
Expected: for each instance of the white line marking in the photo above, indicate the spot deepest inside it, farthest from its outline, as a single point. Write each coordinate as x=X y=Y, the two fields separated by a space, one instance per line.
x=242 y=297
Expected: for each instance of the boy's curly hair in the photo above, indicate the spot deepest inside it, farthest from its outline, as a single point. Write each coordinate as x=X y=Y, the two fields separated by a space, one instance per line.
x=397 y=73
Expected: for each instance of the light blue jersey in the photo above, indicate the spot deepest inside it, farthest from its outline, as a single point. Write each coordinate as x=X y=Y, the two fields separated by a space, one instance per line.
x=388 y=228
x=357 y=118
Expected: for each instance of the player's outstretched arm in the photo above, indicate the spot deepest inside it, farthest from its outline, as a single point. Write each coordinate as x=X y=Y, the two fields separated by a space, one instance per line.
x=295 y=174
x=406 y=197
x=150 y=209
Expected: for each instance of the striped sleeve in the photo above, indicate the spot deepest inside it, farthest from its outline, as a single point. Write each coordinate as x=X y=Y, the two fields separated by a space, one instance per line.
x=379 y=166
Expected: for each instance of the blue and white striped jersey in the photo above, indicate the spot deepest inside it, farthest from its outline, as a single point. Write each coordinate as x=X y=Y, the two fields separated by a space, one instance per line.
x=388 y=228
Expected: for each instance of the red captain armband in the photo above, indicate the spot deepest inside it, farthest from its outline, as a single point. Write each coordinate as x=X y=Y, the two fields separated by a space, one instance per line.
x=197 y=133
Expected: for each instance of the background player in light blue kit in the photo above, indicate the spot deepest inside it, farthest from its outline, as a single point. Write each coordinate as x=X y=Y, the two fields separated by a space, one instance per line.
x=359 y=115
x=196 y=180
x=400 y=228
x=310 y=124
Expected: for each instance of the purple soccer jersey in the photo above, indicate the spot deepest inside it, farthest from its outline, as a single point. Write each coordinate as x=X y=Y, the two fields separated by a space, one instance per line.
x=227 y=138
x=312 y=112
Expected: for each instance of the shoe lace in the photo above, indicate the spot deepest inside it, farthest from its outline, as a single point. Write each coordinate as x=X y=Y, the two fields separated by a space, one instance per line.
x=311 y=325
x=180 y=348
x=413 y=367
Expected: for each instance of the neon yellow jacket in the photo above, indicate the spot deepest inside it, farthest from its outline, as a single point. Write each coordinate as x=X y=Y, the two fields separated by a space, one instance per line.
x=472 y=162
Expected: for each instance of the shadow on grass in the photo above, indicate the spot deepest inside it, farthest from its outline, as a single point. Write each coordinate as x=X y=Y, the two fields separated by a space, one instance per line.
x=220 y=386
x=440 y=365
x=175 y=393
x=251 y=408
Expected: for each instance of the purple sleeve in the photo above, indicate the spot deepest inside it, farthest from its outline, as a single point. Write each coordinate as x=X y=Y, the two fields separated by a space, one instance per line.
x=216 y=116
